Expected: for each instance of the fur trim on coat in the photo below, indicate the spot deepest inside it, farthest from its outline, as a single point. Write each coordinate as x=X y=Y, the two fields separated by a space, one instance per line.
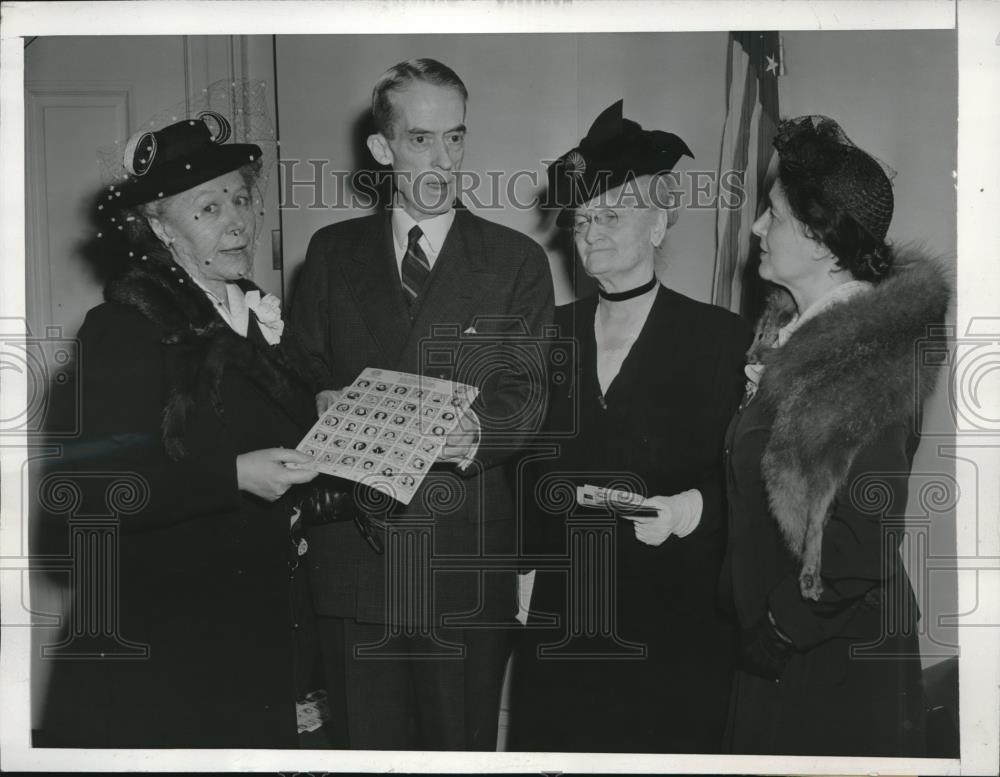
x=842 y=378
x=199 y=346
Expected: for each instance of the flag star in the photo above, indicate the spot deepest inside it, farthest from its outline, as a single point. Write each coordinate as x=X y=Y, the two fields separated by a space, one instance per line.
x=772 y=65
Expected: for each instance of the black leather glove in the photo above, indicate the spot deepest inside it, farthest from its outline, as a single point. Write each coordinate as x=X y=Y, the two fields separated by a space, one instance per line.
x=764 y=651
x=328 y=500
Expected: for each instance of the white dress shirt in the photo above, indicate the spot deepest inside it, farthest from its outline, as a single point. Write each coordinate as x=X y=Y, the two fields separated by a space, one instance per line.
x=435 y=231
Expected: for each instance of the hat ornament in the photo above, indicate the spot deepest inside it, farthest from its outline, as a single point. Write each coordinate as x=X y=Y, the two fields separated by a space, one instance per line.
x=139 y=152
x=222 y=130
x=574 y=164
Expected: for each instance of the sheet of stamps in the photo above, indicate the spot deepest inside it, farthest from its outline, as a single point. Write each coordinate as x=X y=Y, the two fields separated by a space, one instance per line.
x=387 y=429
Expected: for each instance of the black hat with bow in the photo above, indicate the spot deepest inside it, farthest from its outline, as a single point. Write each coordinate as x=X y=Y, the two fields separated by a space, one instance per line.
x=181 y=156
x=615 y=151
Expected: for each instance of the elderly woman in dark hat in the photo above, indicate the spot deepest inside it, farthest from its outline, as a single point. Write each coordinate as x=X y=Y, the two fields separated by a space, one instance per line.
x=624 y=651
x=184 y=385
x=817 y=462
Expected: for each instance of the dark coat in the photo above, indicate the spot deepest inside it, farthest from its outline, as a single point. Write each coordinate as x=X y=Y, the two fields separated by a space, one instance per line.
x=836 y=406
x=349 y=313
x=203 y=576
x=659 y=431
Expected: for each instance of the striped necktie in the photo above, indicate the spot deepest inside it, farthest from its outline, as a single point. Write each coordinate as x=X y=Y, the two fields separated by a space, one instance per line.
x=416 y=269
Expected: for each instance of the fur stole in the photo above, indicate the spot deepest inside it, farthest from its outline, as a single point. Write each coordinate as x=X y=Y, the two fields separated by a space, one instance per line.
x=842 y=378
x=199 y=346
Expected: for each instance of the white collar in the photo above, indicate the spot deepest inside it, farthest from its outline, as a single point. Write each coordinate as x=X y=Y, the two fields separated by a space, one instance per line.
x=237 y=314
x=837 y=294
x=233 y=310
x=435 y=229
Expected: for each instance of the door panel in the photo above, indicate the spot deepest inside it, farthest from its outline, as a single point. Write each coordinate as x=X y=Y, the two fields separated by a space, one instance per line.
x=63 y=120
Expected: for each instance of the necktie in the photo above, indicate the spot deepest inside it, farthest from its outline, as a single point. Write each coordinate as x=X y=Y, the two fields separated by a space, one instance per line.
x=416 y=269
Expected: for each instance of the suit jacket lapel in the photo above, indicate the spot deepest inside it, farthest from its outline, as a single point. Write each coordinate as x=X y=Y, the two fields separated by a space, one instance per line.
x=459 y=281
x=374 y=278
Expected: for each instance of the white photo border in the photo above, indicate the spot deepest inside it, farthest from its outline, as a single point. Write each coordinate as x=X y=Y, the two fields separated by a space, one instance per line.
x=978 y=23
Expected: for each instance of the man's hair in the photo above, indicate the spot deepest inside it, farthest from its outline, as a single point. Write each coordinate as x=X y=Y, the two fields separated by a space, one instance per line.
x=398 y=77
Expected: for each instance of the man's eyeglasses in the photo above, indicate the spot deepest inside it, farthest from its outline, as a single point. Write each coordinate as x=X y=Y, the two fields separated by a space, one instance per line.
x=607 y=219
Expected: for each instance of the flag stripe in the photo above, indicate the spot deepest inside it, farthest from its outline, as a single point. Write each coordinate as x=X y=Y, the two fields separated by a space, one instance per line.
x=731 y=246
x=751 y=119
x=748 y=212
x=738 y=63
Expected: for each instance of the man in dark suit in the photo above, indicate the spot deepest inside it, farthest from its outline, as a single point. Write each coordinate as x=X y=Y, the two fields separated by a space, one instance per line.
x=416 y=638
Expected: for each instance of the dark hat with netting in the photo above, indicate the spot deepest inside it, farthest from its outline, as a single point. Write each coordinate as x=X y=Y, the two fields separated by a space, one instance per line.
x=181 y=156
x=815 y=150
x=216 y=131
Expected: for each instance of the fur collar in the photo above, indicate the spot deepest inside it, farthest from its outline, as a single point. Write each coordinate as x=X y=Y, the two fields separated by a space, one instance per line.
x=198 y=347
x=841 y=379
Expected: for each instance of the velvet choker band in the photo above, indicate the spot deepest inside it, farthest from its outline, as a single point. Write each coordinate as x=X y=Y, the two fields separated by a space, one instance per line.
x=620 y=296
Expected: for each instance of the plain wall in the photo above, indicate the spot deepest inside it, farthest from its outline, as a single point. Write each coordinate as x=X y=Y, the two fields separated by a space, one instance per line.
x=895 y=94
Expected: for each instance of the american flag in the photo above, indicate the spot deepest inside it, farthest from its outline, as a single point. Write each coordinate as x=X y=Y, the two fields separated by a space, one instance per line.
x=753 y=67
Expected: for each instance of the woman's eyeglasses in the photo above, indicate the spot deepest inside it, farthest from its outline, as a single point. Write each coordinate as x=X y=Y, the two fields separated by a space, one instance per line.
x=607 y=219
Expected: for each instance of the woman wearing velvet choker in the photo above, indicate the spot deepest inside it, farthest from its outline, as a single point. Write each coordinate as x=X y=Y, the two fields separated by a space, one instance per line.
x=183 y=384
x=644 y=664
x=818 y=459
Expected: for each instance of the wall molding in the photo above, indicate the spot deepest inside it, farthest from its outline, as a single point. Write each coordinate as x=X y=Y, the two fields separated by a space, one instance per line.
x=210 y=58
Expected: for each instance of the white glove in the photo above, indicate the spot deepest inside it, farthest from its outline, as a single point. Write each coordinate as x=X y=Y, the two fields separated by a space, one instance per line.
x=678 y=514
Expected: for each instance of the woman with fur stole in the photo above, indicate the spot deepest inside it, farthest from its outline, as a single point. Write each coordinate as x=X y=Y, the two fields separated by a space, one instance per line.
x=185 y=391
x=817 y=461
